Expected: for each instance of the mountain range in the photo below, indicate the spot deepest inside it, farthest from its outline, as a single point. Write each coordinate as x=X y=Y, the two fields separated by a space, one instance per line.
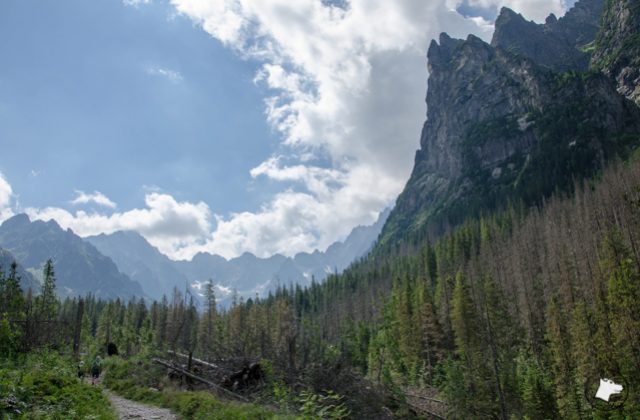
x=124 y=264
x=79 y=267
x=247 y=275
x=510 y=121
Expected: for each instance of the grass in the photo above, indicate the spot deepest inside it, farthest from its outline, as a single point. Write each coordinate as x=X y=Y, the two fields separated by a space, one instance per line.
x=44 y=385
x=140 y=380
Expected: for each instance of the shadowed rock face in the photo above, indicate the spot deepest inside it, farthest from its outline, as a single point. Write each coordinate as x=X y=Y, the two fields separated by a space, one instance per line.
x=79 y=267
x=555 y=44
x=506 y=122
x=27 y=281
x=617 y=47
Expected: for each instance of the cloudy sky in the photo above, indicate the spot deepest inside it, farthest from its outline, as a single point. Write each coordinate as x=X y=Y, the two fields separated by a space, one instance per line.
x=267 y=126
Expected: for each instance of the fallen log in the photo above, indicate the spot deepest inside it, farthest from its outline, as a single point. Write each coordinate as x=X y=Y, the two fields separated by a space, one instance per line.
x=198 y=361
x=199 y=379
x=426 y=404
x=425 y=398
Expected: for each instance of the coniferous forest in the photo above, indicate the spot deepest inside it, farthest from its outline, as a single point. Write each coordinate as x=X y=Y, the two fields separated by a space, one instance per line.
x=516 y=314
x=505 y=284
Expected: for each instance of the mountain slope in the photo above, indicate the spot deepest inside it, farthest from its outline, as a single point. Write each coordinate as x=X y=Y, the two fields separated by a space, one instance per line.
x=27 y=280
x=80 y=269
x=617 y=47
x=502 y=127
x=247 y=274
x=142 y=262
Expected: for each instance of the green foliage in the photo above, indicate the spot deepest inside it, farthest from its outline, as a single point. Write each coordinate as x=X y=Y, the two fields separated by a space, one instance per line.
x=140 y=380
x=535 y=387
x=322 y=406
x=44 y=385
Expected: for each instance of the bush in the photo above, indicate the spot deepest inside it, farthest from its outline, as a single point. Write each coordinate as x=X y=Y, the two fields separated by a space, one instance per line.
x=45 y=385
x=139 y=379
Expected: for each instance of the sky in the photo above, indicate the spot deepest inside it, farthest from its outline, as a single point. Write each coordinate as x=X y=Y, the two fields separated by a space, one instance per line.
x=222 y=126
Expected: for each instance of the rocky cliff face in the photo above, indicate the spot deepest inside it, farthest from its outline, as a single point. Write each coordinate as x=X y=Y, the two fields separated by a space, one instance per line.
x=559 y=43
x=617 y=47
x=506 y=121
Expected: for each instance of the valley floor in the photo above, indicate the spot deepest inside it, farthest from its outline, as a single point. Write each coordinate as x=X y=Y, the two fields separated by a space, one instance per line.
x=127 y=409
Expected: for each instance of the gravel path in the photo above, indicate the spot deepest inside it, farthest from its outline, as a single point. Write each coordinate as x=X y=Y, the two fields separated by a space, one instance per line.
x=128 y=409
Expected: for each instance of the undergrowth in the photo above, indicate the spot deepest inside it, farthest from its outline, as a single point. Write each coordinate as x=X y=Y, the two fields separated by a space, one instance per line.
x=140 y=380
x=44 y=385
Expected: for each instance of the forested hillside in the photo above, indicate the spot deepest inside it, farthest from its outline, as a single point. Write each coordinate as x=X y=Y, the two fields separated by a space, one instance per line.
x=513 y=314
x=505 y=285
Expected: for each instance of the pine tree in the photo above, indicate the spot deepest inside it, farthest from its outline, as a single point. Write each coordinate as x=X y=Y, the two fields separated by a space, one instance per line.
x=479 y=398
x=46 y=306
x=568 y=397
x=624 y=307
x=207 y=328
x=535 y=387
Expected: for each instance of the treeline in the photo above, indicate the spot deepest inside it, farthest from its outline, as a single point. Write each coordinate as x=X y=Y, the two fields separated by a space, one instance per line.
x=514 y=315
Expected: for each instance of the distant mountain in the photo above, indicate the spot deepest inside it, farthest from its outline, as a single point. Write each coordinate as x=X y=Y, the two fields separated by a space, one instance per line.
x=80 y=268
x=517 y=119
x=142 y=262
x=27 y=280
x=247 y=274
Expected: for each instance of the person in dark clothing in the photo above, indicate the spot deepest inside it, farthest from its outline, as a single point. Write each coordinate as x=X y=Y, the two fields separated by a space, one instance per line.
x=81 y=369
x=96 y=368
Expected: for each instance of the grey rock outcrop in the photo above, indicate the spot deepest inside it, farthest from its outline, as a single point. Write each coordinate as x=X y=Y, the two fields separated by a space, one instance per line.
x=502 y=126
x=558 y=43
x=617 y=48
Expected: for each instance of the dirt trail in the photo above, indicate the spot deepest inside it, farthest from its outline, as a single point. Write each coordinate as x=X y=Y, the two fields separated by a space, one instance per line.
x=128 y=409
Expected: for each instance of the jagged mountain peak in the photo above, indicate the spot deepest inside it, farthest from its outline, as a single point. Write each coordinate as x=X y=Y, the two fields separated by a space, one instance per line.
x=80 y=267
x=18 y=220
x=507 y=121
x=248 y=274
x=558 y=43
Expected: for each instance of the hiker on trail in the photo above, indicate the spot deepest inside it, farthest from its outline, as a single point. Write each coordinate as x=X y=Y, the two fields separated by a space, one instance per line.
x=96 y=368
x=81 y=369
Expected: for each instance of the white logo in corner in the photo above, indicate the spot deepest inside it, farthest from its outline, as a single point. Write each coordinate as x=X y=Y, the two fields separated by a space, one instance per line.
x=607 y=388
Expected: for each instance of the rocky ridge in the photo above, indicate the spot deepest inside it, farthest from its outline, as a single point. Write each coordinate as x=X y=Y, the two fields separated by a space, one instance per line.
x=617 y=47
x=506 y=121
x=80 y=269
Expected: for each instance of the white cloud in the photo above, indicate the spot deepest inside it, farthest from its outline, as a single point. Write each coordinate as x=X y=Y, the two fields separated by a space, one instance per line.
x=96 y=197
x=347 y=86
x=167 y=224
x=536 y=10
x=135 y=3
x=346 y=94
x=6 y=194
x=171 y=75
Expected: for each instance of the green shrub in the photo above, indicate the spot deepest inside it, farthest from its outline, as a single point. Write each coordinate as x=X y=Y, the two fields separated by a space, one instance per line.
x=141 y=380
x=44 y=385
